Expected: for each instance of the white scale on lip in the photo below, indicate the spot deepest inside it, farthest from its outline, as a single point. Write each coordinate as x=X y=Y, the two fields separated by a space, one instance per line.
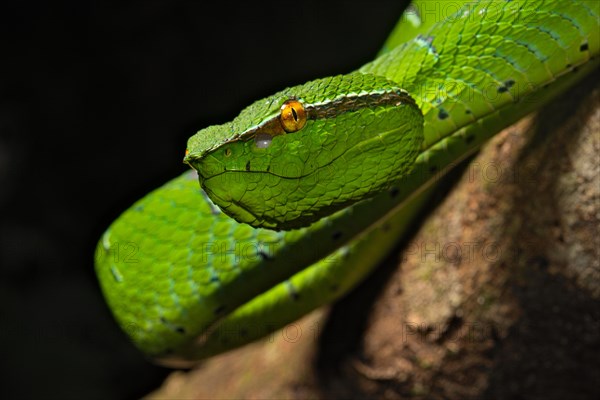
x=263 y=140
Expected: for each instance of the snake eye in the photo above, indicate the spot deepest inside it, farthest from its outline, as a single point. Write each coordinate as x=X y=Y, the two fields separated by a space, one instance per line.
x=292 y=116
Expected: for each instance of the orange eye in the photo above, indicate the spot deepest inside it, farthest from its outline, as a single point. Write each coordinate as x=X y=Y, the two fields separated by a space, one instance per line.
x=292 y=116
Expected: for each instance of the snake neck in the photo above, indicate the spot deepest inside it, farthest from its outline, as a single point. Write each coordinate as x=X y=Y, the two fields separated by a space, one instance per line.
x=488 y=57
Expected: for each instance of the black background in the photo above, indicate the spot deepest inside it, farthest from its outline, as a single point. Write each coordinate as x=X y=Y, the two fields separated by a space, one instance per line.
x=96 y=104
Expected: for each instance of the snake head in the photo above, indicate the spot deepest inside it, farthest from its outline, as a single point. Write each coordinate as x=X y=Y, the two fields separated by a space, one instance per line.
x=308 y=151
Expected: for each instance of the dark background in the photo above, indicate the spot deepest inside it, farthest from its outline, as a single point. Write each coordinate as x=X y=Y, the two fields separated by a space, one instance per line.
x=96 y=104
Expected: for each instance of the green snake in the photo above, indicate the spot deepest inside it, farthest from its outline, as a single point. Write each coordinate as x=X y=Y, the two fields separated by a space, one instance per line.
x=325 y=177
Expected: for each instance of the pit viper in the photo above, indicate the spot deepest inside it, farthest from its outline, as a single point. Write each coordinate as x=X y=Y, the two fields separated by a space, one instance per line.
x=295 y=201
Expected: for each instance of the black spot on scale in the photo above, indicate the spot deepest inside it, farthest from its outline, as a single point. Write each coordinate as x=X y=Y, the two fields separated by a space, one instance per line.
x=263 y=256
x=443 y=114
x=243 y=332
x=468 y=111
x=292 y=291
x=469 y=139
x=583 y=47
x=394 y=191
x=268 y=167
x=248 y=166
x=433 y=169
x=214 y=279
x=507 y=85
x=568 y=66
x=337 y=235
x=178 y=329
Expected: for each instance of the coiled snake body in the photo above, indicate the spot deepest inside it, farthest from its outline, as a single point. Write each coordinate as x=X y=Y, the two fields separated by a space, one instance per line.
x=329 y=174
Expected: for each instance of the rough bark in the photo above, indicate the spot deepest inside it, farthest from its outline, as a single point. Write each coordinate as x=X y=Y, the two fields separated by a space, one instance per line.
x=496 y=296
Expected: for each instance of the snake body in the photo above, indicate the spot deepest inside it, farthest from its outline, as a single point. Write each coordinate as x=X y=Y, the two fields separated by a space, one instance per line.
x=345 y=162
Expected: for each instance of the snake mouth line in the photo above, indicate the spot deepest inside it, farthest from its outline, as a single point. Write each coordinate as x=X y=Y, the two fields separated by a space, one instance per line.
x=309 y=174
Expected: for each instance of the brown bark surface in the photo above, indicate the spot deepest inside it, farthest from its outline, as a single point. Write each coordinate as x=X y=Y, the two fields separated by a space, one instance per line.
x=497 y=295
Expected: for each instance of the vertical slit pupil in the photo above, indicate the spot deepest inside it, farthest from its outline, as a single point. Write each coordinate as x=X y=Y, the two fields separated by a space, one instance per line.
x=294 y=114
